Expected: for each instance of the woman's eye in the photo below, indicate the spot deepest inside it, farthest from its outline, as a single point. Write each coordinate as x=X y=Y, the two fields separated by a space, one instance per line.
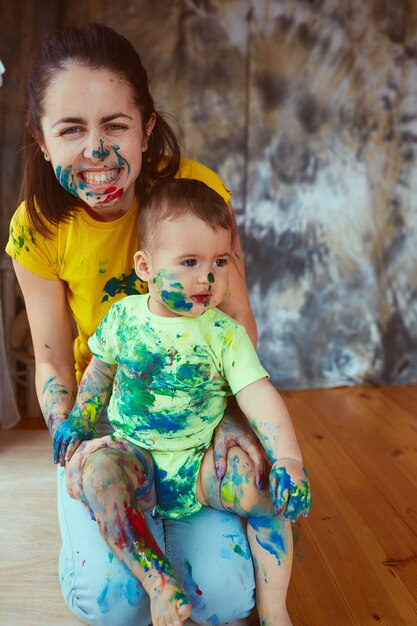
x=221 y=262
x=189 y=262
x=71 y=131
x=115 y=127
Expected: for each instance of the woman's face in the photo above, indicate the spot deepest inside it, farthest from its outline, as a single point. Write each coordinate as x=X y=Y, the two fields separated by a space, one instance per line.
x=93 y=136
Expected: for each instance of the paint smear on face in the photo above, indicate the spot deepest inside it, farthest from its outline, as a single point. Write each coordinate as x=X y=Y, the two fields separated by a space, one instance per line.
x=66 y=179
x=101 y=153
x=171 y=292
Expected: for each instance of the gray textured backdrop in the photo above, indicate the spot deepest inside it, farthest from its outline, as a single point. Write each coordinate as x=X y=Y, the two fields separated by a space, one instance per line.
x=308 y=110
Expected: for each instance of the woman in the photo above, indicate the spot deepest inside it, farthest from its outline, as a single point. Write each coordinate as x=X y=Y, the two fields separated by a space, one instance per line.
x=94 y=144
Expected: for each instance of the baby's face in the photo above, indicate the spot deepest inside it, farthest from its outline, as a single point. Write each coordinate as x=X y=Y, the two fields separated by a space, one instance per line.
x=189 y=267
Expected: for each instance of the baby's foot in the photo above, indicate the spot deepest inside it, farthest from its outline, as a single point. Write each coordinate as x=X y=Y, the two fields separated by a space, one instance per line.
x=169 y=604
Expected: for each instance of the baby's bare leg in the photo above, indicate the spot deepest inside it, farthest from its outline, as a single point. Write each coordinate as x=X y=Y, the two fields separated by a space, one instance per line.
x=269 y=536
x=110 y=480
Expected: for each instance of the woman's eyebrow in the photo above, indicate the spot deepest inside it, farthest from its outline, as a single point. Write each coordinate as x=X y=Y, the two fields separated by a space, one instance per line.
x=81 y=120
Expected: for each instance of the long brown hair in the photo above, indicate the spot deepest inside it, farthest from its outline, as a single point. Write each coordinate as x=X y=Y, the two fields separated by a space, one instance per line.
x=99 y=47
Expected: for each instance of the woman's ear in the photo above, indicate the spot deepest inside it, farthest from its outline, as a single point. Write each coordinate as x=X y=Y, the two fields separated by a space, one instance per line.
x=142 y=265
x=148 y=131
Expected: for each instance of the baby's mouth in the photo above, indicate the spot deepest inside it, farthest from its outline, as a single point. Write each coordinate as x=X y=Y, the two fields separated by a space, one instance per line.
x=202 y=298
x=103 y=177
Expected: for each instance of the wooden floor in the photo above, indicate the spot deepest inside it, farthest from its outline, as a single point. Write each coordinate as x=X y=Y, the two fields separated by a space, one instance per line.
x=355 y=556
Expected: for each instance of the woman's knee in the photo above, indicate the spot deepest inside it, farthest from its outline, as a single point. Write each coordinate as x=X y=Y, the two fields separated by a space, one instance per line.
x=113 y=600
x=210 y=553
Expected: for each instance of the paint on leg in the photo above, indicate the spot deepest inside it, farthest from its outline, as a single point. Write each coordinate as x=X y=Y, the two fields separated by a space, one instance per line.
x=110 y=488
x=270 y=540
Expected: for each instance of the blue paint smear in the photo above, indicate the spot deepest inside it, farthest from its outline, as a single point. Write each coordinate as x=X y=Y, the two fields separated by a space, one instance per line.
x=272 y=541
x=66 y=179
x=101 y=153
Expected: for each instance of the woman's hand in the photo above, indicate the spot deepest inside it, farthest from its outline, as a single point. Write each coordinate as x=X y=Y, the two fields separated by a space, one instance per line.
x=68 y=435
x=290 y=489
x=233 y=431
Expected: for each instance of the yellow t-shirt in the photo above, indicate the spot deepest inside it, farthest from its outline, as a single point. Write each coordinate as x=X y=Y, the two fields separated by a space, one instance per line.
x=94 y=259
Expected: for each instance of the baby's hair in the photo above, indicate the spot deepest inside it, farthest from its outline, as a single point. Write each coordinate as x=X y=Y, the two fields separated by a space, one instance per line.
x=176 y=198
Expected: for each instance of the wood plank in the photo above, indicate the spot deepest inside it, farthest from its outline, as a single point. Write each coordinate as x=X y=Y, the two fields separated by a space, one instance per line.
x=357 y=530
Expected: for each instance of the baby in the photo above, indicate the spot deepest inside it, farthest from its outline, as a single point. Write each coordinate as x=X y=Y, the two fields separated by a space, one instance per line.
x=165 y=363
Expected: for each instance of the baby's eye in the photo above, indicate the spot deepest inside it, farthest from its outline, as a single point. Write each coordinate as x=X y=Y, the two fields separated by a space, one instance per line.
x=189 y=262
x=221 y=262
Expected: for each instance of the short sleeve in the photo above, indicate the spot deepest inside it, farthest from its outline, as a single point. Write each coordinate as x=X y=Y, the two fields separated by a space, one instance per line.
x=31 y=249
x=241 y=363
x=193 y=169
x=101 y=343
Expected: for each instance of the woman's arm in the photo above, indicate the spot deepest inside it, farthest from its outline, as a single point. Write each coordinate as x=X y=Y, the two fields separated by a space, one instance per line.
x=93 y=396
x=236 y=302
x=233 y=429
x=50 y=325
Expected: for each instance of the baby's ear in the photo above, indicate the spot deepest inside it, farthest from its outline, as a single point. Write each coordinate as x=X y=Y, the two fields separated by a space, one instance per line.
x=142 y=267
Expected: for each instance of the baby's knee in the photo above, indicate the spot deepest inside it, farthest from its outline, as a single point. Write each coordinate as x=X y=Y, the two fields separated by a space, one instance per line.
x=239 y=491
x=109 y=465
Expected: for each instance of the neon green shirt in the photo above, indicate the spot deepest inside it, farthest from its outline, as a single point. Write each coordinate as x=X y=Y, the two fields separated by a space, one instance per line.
x=171 y=385
x=94 y=259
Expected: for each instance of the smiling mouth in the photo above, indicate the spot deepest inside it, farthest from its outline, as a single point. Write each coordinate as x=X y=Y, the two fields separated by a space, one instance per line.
x=104 y=177
x=202 y=298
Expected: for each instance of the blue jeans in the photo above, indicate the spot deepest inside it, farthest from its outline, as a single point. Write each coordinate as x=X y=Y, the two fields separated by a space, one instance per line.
x=208 y=550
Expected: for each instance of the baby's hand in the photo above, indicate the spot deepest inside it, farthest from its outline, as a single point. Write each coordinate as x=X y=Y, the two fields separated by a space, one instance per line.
x=68 y=436
x=290 y=489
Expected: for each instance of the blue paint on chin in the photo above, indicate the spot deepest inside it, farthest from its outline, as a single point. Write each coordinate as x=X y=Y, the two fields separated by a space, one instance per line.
x=175 y=301
x=66 y=179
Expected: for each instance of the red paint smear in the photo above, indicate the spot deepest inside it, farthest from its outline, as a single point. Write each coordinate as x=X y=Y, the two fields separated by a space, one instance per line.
x=110 y=189
x=83 y=563
x=112 y=196
x=199 y=592
x=140 y=529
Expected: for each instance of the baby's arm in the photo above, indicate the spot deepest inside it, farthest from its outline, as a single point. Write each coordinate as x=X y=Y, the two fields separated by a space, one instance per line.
x=93 y=395
x=268 y=416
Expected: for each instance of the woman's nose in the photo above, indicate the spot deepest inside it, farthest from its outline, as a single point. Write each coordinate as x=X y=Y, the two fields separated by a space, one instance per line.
x=96 y=148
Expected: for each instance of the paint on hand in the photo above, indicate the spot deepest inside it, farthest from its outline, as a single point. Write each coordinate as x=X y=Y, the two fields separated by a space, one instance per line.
x=101 y=153
x=296 y=496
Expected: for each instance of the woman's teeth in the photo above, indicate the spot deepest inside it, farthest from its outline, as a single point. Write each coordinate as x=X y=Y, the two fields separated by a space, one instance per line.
x=100 y=178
